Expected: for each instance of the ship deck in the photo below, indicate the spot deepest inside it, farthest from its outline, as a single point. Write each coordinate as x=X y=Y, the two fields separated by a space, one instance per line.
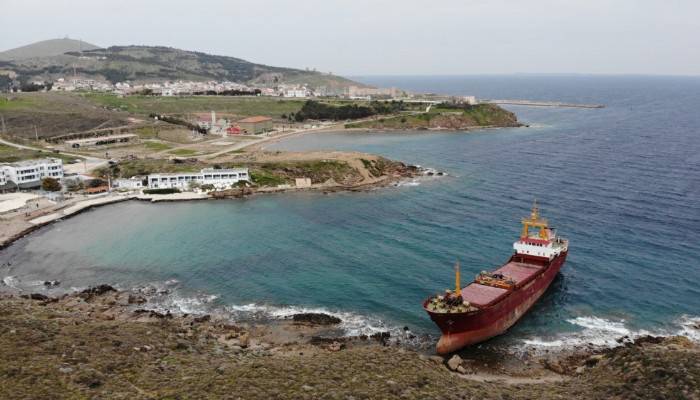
x=483 y=296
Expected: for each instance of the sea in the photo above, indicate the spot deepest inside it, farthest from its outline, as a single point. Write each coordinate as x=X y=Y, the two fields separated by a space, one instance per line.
x=622 y=183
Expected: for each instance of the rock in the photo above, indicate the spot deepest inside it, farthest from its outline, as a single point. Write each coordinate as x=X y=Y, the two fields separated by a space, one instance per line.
x=461 y=370
x=181 y=345
x=553 y=366
x=136 y=299
x=454 y=362
x=65 y=370
x=307 y=387
x=51 y=284
x=315 y=319
x=98 y=290
x=244 y=340
x=336 y=346
x=594 y=359
x=153 y=314
x=382 y=337
x=580 y=370
x=38 y=296
x=437 y=359
x=203 y=318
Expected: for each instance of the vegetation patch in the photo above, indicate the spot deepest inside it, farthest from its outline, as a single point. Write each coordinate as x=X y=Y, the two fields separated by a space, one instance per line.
x=130 y=168
x=183 y=152
x=446 y=116
x=325 y=111
x=156 y=146
x=9 y=154
x=319 y=171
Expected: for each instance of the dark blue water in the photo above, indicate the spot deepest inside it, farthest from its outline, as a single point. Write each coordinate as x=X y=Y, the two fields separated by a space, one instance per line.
x=621 y=183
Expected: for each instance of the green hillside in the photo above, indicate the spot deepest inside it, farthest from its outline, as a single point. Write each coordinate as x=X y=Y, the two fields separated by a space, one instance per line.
x=149 y=63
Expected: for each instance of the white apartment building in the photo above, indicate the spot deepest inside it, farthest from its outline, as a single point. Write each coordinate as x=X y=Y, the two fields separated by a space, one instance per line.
x=30 y=173
x=220 y=178
x=133 y=183
x=296 y=93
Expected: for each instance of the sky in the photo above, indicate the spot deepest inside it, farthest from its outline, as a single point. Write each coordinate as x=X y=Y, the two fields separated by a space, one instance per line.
x=381 y=37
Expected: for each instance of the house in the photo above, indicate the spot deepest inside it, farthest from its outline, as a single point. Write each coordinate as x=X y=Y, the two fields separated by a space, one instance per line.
x=219 y=178
x=133 y=183
x=97 y=189
x=255 y=125
x=295 y=92
x=213 y=125
x=302 y=182
x=29 y=173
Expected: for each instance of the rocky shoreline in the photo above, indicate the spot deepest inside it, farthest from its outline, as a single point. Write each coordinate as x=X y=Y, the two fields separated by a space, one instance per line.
x=104 y=343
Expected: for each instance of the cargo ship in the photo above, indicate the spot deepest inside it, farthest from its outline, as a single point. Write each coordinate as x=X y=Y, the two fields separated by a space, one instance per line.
x=496 y=300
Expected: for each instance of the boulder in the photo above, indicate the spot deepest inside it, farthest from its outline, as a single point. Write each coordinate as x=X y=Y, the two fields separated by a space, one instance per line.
x=51 y=284
x=454 y=362
x=136 y=299
x=203 y=318
x=336 y=346
x=97 y=290
x=315 y=319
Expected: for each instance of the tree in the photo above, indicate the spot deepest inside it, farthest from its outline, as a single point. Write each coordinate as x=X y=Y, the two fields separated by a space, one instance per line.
x=50 y=184
x=93 y=183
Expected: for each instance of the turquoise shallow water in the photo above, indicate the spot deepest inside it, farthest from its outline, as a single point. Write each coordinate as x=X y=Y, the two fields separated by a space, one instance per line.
x=622 y=183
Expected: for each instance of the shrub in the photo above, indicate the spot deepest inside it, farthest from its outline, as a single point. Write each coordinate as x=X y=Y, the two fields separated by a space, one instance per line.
x=161 y=191
x=50 y=184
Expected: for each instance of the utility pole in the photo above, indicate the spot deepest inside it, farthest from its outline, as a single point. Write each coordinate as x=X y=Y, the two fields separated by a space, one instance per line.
x=2 y=118
x=36 y=133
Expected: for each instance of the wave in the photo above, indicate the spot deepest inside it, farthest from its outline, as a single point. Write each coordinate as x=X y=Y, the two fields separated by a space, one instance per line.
x=163 y=299
x=408 y=183
x=601 y=332
x=11 y=281
x=352 y=324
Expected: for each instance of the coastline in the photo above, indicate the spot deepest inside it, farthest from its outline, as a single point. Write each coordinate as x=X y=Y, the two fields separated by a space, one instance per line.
x=14 y=232
x=101 y=342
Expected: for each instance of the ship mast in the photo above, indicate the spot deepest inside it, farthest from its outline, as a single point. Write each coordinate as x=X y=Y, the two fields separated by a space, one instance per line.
x=458 y=284
x=534 y=221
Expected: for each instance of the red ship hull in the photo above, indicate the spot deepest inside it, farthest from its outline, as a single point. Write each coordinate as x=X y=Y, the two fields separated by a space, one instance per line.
x=464 y=329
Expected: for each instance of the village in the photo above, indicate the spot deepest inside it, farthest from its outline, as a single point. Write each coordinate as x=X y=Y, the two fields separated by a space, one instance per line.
x=213 y=88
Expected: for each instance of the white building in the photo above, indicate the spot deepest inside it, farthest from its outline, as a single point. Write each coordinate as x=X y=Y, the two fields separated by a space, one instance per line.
x=30 y=173
x=296 y=92
x=220 y=178
x=133 y=183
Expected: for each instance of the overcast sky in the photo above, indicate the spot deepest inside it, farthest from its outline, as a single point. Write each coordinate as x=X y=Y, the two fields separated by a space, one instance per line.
x=401 y=37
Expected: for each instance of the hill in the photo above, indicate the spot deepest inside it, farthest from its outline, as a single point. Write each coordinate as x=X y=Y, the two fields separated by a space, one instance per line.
x=155 y=63
x=46 y=48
